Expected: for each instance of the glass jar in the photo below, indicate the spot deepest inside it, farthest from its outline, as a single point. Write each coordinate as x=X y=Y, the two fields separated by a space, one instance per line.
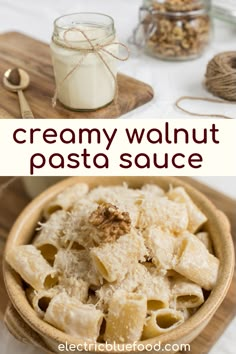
x=175 y=29
x=83 y=82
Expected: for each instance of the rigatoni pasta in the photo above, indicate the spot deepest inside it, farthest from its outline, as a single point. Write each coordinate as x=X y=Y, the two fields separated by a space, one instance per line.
x=126 y=317
x=153 y=191
x=48 y=239
x=128 y=249
x=133 y=279
x=194 y=262
x=66 y=199
x=77 y=288
x=79 y=233
x=186 y=294
x=156 y=288
x=204 y=237
x=161 y=246
x=41 y=299
x=70 y=315
x=196 y=218
x=77 y=264
x=118 y=264
x=164 y=213
x=162 y=321
x=32 y=267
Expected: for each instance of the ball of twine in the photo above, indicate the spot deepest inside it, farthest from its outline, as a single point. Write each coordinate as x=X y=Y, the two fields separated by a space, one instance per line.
x=221 y=76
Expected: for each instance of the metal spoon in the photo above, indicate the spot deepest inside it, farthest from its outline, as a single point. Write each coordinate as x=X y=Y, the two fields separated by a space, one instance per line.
x=17 y=80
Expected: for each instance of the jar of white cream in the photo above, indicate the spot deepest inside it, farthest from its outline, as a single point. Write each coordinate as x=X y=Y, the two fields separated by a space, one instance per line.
x=84 y=54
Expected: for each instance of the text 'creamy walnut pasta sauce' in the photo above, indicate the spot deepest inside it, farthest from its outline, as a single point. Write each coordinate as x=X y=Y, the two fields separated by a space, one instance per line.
x=174 y=29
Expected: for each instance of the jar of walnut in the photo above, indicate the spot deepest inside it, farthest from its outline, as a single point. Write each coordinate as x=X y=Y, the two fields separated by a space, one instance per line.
x=176 y=29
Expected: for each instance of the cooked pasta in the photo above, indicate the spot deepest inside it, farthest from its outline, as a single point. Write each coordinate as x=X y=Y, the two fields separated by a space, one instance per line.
x=163 y=213
x=194 y=262
x=161 y=246
x=77 y=264
x=186 y=294
x=77 y=288
x=133 y=279
x=153 y=191
x=48 y=240
x=78 y=232
x=204 y=237
x=70 y=315
x=126 y=317
x=195 y=215
x=41 y=299
x=118 y=264
x=32 y=267
x=128 y=249
x=66 y=199
x=162 y=321
x=157 y=290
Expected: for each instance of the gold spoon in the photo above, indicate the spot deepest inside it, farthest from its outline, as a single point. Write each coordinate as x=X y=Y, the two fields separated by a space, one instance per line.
x=17 y=80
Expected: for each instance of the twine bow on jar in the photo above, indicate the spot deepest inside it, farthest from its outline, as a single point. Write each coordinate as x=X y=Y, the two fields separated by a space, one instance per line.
x=94 y=48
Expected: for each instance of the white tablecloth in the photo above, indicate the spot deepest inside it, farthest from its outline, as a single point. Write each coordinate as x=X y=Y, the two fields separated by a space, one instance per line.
x=169 y=80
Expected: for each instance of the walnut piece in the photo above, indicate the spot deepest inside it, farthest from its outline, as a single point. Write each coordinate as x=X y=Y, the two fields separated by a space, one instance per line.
x=177 y=5
x=111 y=221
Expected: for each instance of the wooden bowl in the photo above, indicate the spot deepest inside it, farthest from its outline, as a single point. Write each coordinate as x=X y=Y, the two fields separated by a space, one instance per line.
x=23 y=322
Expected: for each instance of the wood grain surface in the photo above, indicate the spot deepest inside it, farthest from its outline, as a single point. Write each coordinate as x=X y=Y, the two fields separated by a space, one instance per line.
x=18 y=50
x=13 y=199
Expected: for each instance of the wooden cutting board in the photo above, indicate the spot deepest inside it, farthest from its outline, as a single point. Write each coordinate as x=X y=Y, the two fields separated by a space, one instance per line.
x=19 y=50
x=14 y=198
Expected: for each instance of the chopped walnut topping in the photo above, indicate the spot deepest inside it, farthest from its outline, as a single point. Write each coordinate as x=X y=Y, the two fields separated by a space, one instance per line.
x=109 y=219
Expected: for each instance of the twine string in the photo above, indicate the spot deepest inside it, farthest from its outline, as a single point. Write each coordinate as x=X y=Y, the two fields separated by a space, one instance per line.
x=221 y=76
x=94 y=48
x=187 y=98
x=220 y=80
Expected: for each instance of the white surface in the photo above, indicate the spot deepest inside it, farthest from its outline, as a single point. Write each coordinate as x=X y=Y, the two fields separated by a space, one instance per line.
x=169 y=80
x=226 y=185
